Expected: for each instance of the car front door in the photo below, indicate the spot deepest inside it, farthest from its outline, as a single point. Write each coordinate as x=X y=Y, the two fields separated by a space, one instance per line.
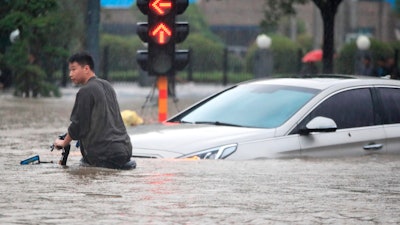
x=358 y=132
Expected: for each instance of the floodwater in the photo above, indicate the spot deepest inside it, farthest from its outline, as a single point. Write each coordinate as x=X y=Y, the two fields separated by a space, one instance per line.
x=364 y=190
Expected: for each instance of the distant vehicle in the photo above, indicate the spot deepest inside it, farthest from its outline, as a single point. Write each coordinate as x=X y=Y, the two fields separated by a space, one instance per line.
x=279 y=118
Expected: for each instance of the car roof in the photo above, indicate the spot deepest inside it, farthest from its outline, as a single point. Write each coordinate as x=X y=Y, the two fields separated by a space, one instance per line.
x=323 y=82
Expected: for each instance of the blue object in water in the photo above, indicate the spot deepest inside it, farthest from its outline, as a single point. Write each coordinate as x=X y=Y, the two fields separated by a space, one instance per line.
x=31 y=159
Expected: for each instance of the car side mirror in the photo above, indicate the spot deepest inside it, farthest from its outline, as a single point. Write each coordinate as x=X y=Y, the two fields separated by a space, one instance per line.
x=319 y=124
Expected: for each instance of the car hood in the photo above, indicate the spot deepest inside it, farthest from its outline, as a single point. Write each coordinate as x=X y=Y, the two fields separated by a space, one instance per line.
x=171 y=141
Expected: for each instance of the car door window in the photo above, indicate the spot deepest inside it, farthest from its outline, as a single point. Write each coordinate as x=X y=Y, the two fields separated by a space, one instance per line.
x=352 y=108
x=391 y=104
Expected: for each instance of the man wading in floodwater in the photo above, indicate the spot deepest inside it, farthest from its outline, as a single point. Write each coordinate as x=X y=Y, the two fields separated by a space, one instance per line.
x=96 y=119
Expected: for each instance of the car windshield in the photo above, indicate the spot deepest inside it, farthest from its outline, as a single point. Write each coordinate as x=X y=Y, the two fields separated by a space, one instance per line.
x=256 y=105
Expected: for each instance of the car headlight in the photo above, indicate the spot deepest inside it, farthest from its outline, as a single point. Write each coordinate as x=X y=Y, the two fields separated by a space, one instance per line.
x=214 y=153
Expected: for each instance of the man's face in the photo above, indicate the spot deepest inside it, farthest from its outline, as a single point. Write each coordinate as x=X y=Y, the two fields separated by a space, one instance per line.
x=77 y=73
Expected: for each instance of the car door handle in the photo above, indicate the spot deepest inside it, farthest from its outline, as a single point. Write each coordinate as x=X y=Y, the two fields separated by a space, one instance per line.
x=373 y=147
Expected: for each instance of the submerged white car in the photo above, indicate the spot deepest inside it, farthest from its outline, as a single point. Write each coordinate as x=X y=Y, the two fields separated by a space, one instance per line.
x=280 y=118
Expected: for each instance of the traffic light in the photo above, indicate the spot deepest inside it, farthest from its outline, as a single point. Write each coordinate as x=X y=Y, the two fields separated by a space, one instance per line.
x=161 y=33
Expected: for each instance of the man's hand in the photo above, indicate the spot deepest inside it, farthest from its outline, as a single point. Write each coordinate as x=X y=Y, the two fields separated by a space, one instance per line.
x=60 y=143
x=63 y=142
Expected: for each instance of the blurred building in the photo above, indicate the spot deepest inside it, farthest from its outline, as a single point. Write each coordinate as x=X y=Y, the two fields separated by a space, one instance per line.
x=119 y=21
x=237 y=19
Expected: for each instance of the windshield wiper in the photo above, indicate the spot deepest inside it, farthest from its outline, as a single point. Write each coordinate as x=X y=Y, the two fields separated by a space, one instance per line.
x=184 y=121
x=217 y=123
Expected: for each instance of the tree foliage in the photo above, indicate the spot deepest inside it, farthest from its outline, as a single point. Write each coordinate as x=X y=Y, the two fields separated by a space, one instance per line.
x=274 y=10
x=45 y=36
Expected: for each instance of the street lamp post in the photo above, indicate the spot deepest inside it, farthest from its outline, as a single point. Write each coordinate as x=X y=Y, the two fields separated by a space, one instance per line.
x=363 y=44
x=263 y=62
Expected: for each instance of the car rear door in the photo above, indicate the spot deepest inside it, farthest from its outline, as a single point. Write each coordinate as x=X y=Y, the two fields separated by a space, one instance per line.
x=390 y=101
x=358 y=132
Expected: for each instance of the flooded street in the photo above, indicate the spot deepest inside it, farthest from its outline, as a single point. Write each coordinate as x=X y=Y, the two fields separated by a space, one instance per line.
x=364 y=190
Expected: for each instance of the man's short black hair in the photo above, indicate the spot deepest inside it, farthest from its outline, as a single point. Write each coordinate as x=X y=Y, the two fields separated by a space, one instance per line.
x=83 y=59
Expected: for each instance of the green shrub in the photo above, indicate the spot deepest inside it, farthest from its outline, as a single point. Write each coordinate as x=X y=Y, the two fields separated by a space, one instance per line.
x=215 y=77
x=121 y=51
x=126 y=75
x=207 y=55
x=346 y=59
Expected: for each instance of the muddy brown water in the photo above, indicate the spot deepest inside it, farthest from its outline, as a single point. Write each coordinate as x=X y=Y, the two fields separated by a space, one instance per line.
x=364 y=190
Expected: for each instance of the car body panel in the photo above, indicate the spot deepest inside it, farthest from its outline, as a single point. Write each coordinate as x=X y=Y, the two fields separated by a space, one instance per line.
x=279 y=147
x=345 y=142
x=392 y=132
x=171 y=138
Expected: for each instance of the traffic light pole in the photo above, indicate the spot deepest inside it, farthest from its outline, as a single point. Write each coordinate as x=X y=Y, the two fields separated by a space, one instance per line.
x=161 y=32
x=162 y=84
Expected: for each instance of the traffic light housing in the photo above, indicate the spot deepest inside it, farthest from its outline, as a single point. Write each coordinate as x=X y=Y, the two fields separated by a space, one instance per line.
x=161 y=33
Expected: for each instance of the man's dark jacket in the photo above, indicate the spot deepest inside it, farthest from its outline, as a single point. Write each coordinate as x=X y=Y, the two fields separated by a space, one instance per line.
x=97 y=123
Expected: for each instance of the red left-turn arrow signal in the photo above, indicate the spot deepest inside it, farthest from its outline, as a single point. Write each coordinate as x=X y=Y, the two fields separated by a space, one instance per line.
x=161 y=7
